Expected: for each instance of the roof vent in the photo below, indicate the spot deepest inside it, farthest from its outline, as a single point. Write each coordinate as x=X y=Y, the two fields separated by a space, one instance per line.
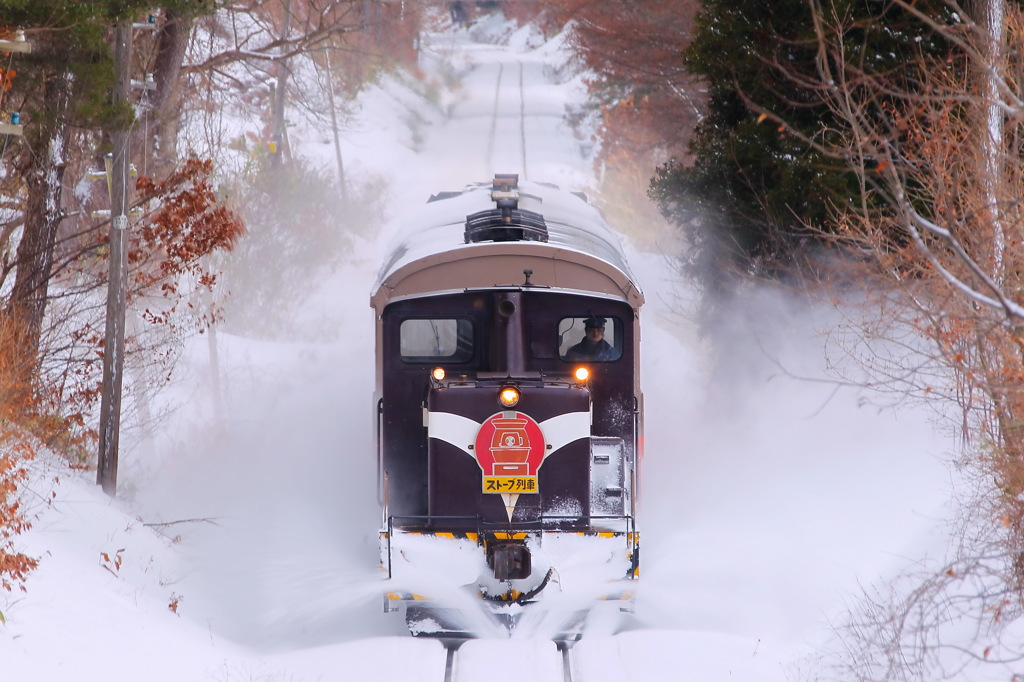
x=507 y=222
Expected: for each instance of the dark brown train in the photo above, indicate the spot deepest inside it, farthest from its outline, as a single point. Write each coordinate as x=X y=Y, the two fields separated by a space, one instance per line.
x=508 y=406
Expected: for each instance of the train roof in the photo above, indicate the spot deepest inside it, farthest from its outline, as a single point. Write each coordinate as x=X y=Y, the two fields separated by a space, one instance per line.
x=490 y=234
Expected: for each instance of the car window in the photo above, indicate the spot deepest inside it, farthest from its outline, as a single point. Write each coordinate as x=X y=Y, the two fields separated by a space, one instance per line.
x=575 y=346
x=436 y=339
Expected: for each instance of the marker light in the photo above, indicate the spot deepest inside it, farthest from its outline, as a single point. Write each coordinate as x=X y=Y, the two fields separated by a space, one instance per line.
x=581 y=374
x=509 y=396
x=438 y=373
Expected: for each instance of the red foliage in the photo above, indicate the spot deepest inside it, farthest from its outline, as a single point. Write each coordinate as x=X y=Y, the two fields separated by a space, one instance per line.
x=15 y=450
x=188 y=225
x=649 y=104
x=168 y=263
x=635 y=48
x=545 y=16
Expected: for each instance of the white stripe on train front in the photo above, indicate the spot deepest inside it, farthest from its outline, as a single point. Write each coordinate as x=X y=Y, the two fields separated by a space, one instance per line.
x=454 y=429
x=461 y=432
x=564 y=429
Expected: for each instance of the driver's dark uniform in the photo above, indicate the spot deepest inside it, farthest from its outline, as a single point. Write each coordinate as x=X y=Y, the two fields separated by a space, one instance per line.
x=586 y=349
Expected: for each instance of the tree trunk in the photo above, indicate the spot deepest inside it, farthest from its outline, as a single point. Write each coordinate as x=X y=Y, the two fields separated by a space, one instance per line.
x=44 y=162
x=991 y=18
x=172 y=44
x=342 y=184
x=278 y=134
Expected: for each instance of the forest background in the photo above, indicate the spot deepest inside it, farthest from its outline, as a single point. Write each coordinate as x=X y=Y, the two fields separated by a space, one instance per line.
x=858 y=151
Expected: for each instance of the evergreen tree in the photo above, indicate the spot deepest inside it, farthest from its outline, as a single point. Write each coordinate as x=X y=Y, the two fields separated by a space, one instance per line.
x=759 y=188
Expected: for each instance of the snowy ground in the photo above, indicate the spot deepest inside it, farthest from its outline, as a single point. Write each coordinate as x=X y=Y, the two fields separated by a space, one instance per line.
x=243 y=544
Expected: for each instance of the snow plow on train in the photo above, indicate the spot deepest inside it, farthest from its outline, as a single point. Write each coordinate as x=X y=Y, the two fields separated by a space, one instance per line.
x=509 y=414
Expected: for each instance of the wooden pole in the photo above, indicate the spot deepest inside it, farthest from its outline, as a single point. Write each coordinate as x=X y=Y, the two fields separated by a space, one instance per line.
x=113 y=352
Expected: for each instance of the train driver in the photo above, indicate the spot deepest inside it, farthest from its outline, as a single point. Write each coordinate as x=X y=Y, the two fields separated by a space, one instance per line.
x=593 y=347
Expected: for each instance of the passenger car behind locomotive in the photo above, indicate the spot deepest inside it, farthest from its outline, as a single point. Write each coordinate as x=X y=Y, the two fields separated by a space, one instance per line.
x=494 y=441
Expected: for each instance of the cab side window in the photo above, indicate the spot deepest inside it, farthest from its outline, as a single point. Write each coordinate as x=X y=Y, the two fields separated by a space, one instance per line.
x=436 y=340
x=589 y=338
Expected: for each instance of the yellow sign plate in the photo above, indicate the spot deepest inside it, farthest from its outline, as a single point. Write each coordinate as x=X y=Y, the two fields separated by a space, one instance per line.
x=510 y=485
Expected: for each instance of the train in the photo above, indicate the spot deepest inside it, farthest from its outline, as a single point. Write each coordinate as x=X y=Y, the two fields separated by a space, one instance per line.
x=509 y=415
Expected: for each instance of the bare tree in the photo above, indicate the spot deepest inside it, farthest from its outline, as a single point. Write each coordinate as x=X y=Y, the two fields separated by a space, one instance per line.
x=940 y=214
x=937 y=150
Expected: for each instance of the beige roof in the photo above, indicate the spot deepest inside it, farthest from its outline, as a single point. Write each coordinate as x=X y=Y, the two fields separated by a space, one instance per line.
x=582 y=253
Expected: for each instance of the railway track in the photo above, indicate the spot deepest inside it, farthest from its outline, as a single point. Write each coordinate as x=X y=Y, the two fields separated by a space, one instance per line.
x=451 y=662
x=451 y=649
x=565 y=649
x=507 y=92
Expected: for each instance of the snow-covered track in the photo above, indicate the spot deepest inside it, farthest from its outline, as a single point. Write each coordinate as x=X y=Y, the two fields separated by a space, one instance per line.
x=537 y=660
x=508 y=122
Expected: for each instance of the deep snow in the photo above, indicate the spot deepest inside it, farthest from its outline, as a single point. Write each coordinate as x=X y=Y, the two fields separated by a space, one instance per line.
x=767 y=500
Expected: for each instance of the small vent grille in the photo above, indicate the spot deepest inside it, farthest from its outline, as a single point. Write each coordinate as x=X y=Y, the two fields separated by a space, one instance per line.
x=506 y=225
x=507 y=222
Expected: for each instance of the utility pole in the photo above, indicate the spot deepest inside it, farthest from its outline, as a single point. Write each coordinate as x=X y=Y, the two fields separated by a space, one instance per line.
x=278 y=134
x=113 y=352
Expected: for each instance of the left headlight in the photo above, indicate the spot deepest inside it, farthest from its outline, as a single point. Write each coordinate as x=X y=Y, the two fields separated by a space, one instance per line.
x=509 y=396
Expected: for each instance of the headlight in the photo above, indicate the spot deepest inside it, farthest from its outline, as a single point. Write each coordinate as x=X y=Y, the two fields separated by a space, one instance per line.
x=438 y=373
x=509 y=396
x=581 y=374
